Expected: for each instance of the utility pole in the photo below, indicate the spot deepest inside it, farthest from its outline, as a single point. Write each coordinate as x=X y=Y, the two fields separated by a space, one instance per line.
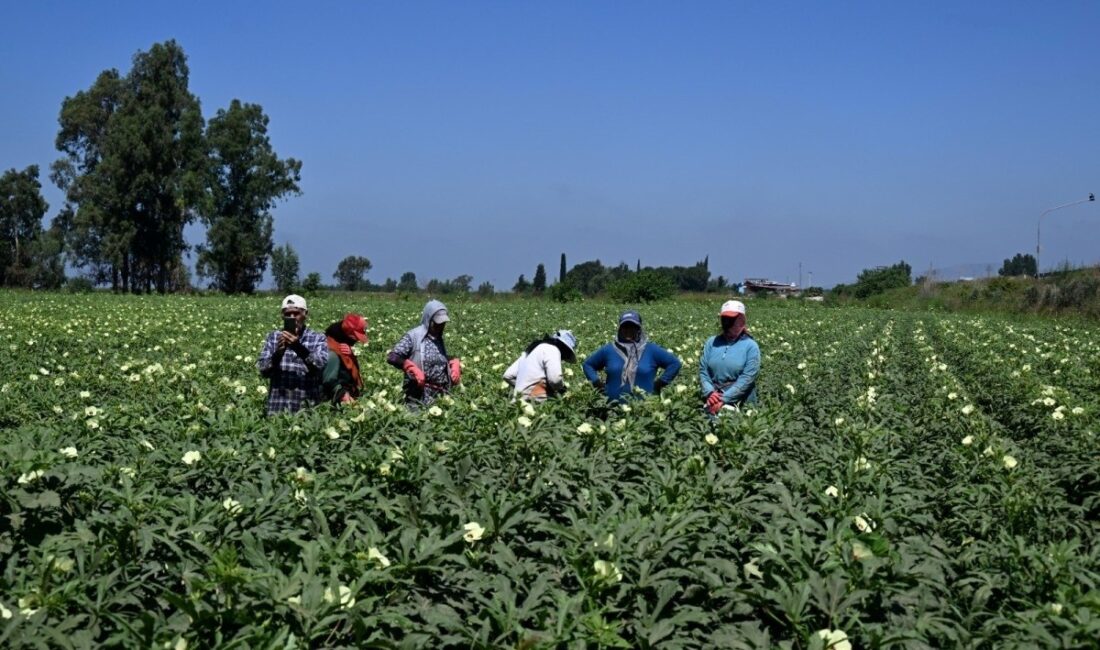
x=1039 y=226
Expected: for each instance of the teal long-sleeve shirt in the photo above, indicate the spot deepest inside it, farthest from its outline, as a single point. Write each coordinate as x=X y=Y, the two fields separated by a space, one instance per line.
x=730 y=367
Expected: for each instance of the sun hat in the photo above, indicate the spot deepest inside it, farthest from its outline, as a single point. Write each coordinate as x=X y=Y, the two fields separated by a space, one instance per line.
x=568 y=340
x=441 y=316
x=732 y=308
x=355 y=326
x=630 y=316
x=295 y=301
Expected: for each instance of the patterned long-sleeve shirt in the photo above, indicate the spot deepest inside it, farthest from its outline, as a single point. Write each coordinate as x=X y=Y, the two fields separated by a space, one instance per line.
x=294 y=372
x=434 y=364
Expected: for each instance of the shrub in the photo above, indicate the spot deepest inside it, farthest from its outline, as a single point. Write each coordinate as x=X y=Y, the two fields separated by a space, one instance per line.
x=643 y=286
x=564 y=292
x=79 y=284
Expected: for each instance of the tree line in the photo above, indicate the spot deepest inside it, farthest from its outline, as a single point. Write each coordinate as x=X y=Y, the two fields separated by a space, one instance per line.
x=139 y=163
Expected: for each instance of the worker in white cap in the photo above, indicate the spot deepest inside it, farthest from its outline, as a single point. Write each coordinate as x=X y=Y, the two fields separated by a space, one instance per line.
x=294 y=378
x=730 y=361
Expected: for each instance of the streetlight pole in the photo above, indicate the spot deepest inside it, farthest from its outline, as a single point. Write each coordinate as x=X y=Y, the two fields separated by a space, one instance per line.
x=1039 y=226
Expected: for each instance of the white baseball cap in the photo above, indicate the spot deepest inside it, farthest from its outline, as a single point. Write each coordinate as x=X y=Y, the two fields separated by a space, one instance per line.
x=295 y=301
x=732 y=308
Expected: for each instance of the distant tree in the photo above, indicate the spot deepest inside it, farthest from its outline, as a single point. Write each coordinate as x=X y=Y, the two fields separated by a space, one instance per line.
x=485 y=289
x=351 y=273
x=561 y=269
x=521 y=285
x=644 y=286
x=1020 y=264
x=587 y=277
x=47 y=259
x=284 y=268
x=638 y=266
x=246 y=178
x=879 y=279
x=408 y=284
x=717 y=285
x=390 y=286
x=563 y=292
x=461 y=284
x=538 y=285
x=135 y=168
x=687 y=278
x=21 y=210
x=312 y=283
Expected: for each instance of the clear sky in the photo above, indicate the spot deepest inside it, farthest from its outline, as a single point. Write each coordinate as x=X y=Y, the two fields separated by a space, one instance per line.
x=486 y=137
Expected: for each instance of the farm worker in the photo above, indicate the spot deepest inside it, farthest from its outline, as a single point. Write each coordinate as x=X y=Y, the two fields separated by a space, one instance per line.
x=730 y=361
x=630 y=362
x=341 y=379
x=536 y=375
x=421 y=353
x=294 y=378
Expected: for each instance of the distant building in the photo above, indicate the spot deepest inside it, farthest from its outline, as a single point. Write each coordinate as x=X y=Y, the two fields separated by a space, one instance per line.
x=755 y=286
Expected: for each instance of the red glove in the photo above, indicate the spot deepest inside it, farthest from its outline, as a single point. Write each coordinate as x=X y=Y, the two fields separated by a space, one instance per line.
x=714 y=402
x=414 y=371
x=344 y=349
x=455 y=366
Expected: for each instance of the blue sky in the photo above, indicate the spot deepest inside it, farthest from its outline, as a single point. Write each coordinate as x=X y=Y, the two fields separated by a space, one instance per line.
x=486 y=137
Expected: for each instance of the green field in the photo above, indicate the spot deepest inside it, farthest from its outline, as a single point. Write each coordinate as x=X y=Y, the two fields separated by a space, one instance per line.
x=908 y=480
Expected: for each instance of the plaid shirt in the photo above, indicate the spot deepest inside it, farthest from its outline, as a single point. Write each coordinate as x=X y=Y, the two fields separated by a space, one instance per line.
x=295 y=382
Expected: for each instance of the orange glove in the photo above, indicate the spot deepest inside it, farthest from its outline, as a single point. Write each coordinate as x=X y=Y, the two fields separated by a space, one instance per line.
x=455 y=367
x=714 y=402
x=344 y=349
x=414 y=371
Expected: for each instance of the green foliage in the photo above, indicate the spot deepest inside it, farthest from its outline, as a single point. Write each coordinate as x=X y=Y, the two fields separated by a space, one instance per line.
x=562 y=269
x=485 y=289
x=521 y=285
x=351 y=273
x=245 y=180
x=645 y=286
x=79 y=285
x=1075 y=293
x=592 y=278
x=874 y=281
x=284 y=268
x=1020 y=264
x=480 y=525
x=686 y=278
x=22 y=253
x=564 y=292
x=459 y=285
x=408 y=283
x=135 y=168
x=312 y=283
x=538 y=285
